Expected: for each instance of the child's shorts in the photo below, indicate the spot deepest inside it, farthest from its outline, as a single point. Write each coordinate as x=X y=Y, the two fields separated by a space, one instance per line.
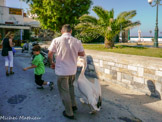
x=38 y=80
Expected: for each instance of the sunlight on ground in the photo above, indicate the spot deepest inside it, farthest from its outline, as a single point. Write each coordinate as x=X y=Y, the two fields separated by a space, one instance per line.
x=155 y=106
x=134 y=97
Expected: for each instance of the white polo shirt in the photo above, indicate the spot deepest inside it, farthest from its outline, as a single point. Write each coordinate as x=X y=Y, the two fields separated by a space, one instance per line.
x=66 y=48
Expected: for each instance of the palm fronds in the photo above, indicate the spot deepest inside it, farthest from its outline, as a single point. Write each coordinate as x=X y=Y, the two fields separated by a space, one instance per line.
x=105 y=25
x=88 y=19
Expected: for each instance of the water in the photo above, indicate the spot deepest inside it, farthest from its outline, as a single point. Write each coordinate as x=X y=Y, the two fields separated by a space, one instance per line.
x=144 y=39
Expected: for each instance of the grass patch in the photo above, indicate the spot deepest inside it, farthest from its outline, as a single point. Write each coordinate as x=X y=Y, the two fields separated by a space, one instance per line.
x=125 y=49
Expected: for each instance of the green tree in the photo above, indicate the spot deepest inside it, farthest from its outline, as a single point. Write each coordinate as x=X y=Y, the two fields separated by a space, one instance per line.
x=52 y=14
x=106 y=25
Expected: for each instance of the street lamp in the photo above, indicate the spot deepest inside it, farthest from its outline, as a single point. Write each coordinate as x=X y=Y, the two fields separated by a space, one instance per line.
x=157 y=3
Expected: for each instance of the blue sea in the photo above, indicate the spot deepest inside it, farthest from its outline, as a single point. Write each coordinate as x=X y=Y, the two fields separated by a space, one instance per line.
x=144 y=37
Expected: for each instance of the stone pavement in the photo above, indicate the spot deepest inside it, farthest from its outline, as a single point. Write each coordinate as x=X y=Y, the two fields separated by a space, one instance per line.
x=20 y=101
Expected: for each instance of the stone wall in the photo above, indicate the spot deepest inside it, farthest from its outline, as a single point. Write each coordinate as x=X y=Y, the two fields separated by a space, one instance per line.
x=135 y=72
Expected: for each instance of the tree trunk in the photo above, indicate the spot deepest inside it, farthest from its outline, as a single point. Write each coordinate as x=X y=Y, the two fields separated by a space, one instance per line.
x=109 y=43
x=125 y=36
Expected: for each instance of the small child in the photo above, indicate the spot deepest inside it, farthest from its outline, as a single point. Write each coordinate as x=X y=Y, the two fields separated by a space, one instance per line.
x=39 y=70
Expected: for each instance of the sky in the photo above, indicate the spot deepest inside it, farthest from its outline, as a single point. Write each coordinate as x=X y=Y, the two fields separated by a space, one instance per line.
x=145 y=13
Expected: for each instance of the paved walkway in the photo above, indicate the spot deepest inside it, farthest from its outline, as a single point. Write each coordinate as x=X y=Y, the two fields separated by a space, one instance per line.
x=20 y=101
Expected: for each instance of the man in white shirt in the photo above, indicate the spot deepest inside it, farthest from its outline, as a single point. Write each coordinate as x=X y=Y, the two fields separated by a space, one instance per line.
x=67 y=49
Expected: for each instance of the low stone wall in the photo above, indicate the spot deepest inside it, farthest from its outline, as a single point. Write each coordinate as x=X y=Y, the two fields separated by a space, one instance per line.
x=136 y=72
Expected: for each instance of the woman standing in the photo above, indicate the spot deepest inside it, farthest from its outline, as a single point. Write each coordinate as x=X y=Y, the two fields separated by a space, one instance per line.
x=7 y=47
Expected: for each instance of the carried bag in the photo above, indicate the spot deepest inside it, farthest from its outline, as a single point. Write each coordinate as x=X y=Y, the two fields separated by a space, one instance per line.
x=4 y=52
x=13 y=50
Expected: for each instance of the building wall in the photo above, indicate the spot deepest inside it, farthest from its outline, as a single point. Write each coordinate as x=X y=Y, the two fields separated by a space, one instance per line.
x=136 y=72
x=12 y=19
x=6 y=17
x=2 y=2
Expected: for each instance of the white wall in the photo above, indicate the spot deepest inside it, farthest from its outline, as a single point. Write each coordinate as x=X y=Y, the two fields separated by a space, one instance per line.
x=2 y=2
x=131 y=71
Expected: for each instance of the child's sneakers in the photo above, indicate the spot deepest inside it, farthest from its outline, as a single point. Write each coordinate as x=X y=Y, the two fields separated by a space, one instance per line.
x=7 y=74
x=11 y=73
x=51 y=85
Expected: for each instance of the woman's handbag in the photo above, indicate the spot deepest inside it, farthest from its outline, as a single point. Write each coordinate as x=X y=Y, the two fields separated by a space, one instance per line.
x=4 y=52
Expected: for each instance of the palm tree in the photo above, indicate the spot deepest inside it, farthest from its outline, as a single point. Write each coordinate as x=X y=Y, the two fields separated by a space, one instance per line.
x=105 y=25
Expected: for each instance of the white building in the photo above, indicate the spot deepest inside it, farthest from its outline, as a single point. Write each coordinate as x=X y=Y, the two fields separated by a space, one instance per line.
x=2 y=2
x=13 y=19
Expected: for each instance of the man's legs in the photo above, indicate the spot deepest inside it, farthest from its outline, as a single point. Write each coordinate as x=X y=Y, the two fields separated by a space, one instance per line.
x=63 y=86
x=71 y=89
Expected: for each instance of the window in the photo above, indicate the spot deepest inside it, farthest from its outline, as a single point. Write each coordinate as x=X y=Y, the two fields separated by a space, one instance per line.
x=15 y=11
